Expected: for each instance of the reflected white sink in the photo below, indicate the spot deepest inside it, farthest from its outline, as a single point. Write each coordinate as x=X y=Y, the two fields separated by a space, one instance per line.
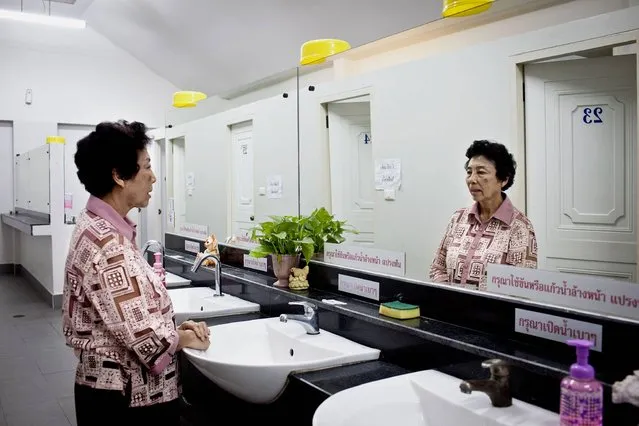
x=252 y=359
x=426 y=398
x=173 y=280
x=200 y=302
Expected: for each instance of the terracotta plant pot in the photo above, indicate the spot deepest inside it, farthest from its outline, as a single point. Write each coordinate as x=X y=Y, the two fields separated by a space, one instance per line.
x=282 y=265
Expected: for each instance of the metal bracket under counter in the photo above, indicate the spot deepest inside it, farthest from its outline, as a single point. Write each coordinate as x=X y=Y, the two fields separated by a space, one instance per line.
x=28 y=222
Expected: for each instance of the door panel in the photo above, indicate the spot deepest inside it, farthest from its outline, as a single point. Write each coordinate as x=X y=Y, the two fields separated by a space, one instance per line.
x=243 y=178
x=352 y=168
x=581 y=164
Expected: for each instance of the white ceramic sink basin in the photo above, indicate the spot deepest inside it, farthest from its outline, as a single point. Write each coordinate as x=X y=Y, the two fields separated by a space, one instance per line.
x=252 y=359
x=199 y=302
x=426 y=398
x=173 y=280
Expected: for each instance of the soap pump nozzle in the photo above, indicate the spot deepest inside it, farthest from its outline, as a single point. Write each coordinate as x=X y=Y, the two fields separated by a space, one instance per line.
x=581 y=369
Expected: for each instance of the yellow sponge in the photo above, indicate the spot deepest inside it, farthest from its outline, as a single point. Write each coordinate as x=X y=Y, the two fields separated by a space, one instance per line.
x=399 y=310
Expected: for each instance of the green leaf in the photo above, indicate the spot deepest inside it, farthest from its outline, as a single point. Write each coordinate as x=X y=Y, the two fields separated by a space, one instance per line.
x=299 y=234
x=260 y=251
x=308 y=251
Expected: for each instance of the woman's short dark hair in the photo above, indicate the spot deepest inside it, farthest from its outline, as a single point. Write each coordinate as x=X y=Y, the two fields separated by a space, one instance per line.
x=497 y=154
x=112 y=146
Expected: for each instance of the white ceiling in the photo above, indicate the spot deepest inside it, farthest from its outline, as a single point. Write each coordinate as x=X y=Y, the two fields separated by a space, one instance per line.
x=217 y=45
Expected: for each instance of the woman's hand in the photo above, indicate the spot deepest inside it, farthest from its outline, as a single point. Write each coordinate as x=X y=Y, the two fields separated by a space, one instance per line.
x=188 y=339
x=199 y=328
x=200 y=344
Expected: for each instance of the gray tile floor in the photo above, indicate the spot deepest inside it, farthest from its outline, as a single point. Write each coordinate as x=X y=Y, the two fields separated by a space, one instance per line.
x=36 y=368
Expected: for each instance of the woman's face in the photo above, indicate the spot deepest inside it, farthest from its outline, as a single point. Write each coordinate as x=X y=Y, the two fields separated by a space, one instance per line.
x=481 y=178
x=137 y=190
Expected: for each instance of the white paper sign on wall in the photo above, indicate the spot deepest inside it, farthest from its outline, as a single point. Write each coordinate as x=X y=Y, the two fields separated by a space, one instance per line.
x=358 y=286
x=585 y=292
x=243 y=239
x=171 y=213
x=274 y=187
x=194 y=230
x=388 y=174
x=556 y=328
x=259 y=264
x=366 y=258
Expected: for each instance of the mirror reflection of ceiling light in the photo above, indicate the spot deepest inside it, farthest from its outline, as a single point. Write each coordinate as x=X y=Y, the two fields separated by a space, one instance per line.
x=187 y=98
x=462 y=8
x=36 y=18
x=315 y=52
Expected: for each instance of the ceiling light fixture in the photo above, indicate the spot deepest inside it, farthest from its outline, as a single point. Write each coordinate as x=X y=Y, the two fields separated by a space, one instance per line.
x=315 y=52
x=462 y=8
x=187 y=98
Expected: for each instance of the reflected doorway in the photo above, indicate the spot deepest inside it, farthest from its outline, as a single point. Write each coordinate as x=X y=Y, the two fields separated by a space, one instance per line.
x=350 y=144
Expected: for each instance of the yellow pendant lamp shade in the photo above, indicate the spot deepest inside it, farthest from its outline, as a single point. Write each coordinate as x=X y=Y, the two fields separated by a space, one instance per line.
x=460 y=8
x=187 y=99
x=315 y=52
x=56 y=139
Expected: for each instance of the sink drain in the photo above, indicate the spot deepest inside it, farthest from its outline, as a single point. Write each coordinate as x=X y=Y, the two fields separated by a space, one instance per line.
x=291 y=351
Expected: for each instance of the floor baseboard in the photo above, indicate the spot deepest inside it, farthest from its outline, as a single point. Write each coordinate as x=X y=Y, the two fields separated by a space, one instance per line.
x=55 y=300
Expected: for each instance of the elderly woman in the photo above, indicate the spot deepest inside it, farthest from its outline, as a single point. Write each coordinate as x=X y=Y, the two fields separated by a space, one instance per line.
x=117 y=315
x=492 y=230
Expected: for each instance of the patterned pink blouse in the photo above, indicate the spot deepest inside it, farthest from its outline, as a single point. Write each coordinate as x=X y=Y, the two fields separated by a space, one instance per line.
x=469 y=245
x=117 y=315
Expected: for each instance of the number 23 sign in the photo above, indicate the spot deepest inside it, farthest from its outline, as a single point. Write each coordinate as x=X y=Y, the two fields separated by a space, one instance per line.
x=593 y=115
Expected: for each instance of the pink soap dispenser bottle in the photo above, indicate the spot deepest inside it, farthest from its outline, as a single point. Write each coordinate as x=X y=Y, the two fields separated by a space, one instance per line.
x=581 y=394
x=158 y=268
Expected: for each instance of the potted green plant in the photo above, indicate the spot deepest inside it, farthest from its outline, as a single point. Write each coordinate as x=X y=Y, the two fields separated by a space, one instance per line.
x=284 y=238
x=287 y=238
x=323 y=228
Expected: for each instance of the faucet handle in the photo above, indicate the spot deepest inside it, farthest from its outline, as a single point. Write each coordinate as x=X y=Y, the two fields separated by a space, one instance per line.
x=497 y=367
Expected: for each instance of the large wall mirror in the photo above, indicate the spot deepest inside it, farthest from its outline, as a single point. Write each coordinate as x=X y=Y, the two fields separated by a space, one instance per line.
x=229 y=162
x=382 y=130
x=384 y=142
x=232 y=161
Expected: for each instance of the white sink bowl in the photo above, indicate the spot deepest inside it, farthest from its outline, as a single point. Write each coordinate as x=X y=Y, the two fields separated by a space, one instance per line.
x=173 y=280
x=426 y=398
x=200 y=302
x=252 y=359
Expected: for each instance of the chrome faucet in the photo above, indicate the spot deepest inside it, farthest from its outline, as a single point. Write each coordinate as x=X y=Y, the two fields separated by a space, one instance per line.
x=497 y=387
x=310 y=318
x=153 y=244
x=218 y=271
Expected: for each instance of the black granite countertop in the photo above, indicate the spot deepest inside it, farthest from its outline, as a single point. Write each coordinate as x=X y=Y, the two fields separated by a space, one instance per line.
x=333 y=380
x=481 y=344
x=531 y=359
x=472 y=341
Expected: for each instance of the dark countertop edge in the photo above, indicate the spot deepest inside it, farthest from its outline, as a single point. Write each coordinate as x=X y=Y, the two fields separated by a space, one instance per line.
x=307 y=382
x=348 y=376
